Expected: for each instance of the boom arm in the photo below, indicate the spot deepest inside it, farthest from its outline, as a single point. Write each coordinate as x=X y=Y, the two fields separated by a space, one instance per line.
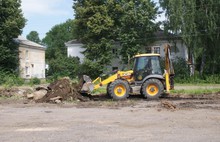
x=169 y=70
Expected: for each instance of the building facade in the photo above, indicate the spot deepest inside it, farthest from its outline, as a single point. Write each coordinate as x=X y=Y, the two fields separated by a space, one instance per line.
x=32 y=59
x=178 y=50
x=75 y=49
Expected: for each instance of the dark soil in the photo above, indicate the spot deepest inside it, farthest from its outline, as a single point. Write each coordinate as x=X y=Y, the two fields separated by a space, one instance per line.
x=64 y=89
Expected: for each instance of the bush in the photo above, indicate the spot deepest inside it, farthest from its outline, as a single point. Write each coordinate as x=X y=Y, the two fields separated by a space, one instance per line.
x=63 y=66
x=90 y=68
x=182 y=74
x=9 y=79
x=35 y=81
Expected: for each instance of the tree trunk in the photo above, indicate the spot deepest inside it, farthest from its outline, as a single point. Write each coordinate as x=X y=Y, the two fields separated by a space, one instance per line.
x=192 y=66
x=202 y=66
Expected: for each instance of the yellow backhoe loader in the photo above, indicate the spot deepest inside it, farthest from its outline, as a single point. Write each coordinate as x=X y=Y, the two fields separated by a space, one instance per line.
x=145 y=78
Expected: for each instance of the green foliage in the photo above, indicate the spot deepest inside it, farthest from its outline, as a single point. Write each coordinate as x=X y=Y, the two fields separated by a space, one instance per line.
x=181 y=69
x=90 y=68
x=35 y=81
x=101 y=23
x=136 y=26
x=101 y=90
x=197 y=79
x=9 y=79
x=198 y=23
x=11 y=24
x=182 y=74
x=34 y=36
x=55 y=39
x=56 y=53
x=63 y=66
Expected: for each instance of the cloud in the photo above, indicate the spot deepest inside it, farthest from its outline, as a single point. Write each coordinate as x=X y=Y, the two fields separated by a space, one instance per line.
x=45 y=7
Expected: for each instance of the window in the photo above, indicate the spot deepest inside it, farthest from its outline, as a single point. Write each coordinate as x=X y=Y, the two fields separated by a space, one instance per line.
x=26 y=70
x=114 y=68
x=148 y=50
x=26 y=54
x=155 y=49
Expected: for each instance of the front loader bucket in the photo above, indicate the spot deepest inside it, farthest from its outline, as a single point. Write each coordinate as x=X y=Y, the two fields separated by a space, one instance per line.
x=87 y=86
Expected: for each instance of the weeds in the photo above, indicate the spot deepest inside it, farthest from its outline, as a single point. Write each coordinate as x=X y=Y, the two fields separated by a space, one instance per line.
x=101 y=90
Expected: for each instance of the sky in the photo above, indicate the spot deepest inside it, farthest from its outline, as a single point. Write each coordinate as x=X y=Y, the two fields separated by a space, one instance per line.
x=42 y=15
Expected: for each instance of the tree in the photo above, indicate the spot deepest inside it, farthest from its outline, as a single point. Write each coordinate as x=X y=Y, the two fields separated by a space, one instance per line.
x=34 y=36
x=136 y=26
x=198 y=22
x=56 y=52
x=102 y=23
x=55 y=39
x=64 y=66
x=11 y=25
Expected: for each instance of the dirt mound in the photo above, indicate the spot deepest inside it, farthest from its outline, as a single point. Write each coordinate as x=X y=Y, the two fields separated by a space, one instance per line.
x=61 y=90
x=168 y=105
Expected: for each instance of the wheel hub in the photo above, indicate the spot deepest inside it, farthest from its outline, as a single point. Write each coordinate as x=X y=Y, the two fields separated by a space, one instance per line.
x=119 y=90
x=152 y=89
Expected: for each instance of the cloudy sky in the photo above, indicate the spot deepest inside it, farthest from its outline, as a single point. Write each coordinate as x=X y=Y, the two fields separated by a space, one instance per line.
x=42 y=15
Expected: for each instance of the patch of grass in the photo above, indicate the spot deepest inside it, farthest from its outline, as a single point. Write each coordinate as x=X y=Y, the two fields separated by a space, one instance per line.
x=196 y=84
x=198 y=91
x=101 y=90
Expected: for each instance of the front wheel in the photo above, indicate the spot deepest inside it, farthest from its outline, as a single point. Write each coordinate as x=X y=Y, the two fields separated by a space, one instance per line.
x=152 y=89
x=118 y=90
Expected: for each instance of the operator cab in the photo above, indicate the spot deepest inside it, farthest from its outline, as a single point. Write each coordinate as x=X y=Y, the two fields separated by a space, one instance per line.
x=145 y=65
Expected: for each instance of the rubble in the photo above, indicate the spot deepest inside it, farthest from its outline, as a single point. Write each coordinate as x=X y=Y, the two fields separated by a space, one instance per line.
x=57 y=91
x=168 y=105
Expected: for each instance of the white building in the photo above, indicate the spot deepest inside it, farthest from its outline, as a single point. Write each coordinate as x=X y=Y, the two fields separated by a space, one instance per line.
x=178 y=49
x=74 y=49
x=32 y=59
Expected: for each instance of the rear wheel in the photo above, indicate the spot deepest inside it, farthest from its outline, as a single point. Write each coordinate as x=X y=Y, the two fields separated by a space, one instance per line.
x=152 y=89
x=108 y=90
x=118 y=90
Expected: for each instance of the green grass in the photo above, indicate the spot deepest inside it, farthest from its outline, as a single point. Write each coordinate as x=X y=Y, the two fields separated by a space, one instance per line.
x=198 y=91
x=101 y=90
x=196 y=84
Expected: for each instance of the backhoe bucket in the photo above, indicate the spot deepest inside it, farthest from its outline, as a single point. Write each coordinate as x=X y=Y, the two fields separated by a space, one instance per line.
x=87 y=86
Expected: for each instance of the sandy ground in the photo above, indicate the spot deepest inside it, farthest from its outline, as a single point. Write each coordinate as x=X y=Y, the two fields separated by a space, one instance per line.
x=186 y=119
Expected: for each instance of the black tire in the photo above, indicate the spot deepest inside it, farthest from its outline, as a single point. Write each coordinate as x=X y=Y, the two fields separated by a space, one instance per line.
x=152 y=89
x=119 y=89
x=108 y=91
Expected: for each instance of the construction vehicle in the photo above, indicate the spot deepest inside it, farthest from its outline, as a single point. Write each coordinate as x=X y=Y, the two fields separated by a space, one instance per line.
x=145 y=78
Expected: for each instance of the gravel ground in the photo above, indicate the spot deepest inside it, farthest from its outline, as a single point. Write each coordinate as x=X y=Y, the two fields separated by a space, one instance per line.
x=180 y=118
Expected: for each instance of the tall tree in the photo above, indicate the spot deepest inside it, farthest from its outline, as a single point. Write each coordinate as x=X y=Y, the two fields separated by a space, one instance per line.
x=56 y=52
x=11 y=25
x=55 y=39
x=101 y=23
x=198 y=22
x=34 y=36
x=136 y=25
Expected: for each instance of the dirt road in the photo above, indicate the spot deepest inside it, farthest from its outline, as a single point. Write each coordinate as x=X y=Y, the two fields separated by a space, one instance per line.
x=192 y=118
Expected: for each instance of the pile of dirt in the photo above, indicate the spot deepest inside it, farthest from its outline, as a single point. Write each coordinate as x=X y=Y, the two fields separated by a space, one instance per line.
x=168 y=105
x=58 y=91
